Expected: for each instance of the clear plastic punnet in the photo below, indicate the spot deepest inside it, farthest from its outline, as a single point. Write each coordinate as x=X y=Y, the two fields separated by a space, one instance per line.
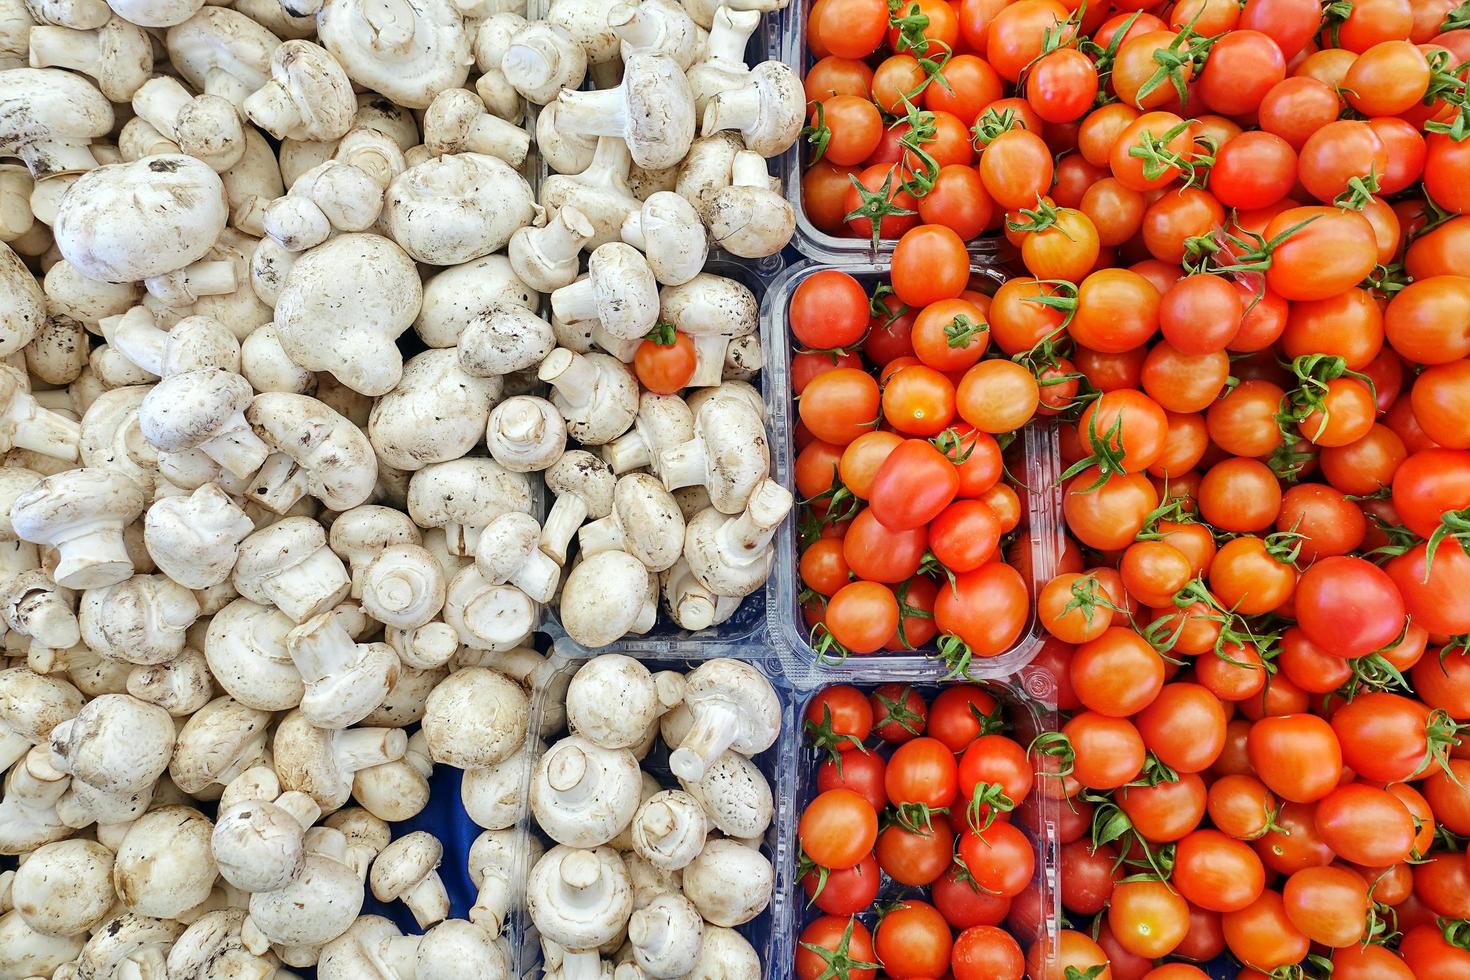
x=1034 y=463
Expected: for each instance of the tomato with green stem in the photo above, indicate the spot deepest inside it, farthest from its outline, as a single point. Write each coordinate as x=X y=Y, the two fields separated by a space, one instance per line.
x=899 y=712
x=1000 y=859
x=950 y=335
x=1016 y=168
x=861 y=616
x=922 y=772
x=995 y=776
x=985 y=609
x=836 y=947
x=916 y=854
x=959 y=201
x=838 y=718
x=665 y=361
x=877 y=205
x=913 y=941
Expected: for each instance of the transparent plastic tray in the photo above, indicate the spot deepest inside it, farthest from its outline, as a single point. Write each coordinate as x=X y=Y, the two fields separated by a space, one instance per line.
x=789 y=25
x=1039 y=490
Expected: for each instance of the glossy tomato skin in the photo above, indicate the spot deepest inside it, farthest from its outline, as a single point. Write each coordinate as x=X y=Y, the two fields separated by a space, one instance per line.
x=827 y=933
x=861 y=772
x=846 y=891
x=913 y=940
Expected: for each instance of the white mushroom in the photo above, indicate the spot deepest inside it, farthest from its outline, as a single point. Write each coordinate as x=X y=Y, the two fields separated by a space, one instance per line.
x=451 y=950
x=457 y=122
x=288 y=564
x=729 y=454
x=409 y=50
x=541 y=60
x=464 y=495
x=735 y=795
x=546 y=258
x=82 y=514
x=497 y=872
x=213 y=946
x=24 y=952
x=748 y=218
x=359 y=534
x=729 y=883
x=451 y=209
x=595 y=393
x=316 y=907
x=507 y=552
x=65 y=888
x=222 y=52
x=246 y=651
x=455 y=296
x=129 y=221
x=397 y=790
x=476 y=717
x=355 y=955
x=206 y=127
x=503 y=339
x=712 y=310
x=194 y=343
x=582 y=794
x=28 y=810
x=724 y=64
x=114 y=749
x=219 y=742
x=706 y=169
x=612 y=701
x=526 y=434
x=344 y=679
x=181 y=687
x=619 y=291
x=665 y=935
x=491 y=39
x=164 y=865
x=117 y=54
x=656 y=27
x=37 y=608
x=579 y=900
x=308 y=97
x=488 y=616
x=321 y=763
x=726 y=954
x=668 y=231
x=406 y=870
x=731 y=556
x=315 y=451
x=259 y=841
x=203 y=410
x=669 y=830
x=607 y=596
x=768 y=109
x=563 y=153
x=403 y=587
x=653 y=110
x=734 y=707
x=599 y=190
x=141 y=620
x=496 y=797
x=663 y=421
x=645 y=522
x=342 y=306
x=584 y=488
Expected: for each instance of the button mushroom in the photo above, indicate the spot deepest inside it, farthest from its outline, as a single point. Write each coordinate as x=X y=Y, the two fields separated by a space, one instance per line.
x=748 y=218
x=729 y=883
x=503 y=339
x=711 y=310
x=451 y=209
x=308 y=97
x=663 y=421
x=321 y=763
x=288 y=564
x=407 y=870
x=259 y=841
x=645 y=522
x=496 y=871
x=653 y=110
x=724 y=64
x=246 y=651
x=81 y=513
x=541 y=60
x=668 y=231
x=563 y=153
x=728 y=454
x=114 y=749
x=619 y=291
x=491 y=39
x=476 y=717
x=731 y=556
x=205 y=127
x=409 y=50
x=314 y=908
x=546 y=258
x=397 y=790
x=438 y=412
x=315 y=451
x=665 y=935
x=607 y=596
x=164 y=865
x=582 y=794
x=344 y=679
x=600 y=190
x=452 y=949
x=194 y=343
x=734 y=707
x=656 y=27
x=455 y=296
x=141 y=620
x=595 y=393
x=203 y=410
x=464 y=495
x=612 y=701
x=222 y=52
x=669 y=830
x=579 y=900
x=354 y=955
x=117 y=54
x=457 y=122
x=526 y=434
x=496 y=797
x=735 y=795
x=219 y=742
x=768 y=109
x=486 y=615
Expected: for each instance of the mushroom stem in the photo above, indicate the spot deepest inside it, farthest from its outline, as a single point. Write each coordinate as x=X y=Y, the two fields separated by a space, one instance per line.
x=62 y=47
x=428 y=901
x=683 y=465
x=734 y=109
x=183 y=287
x=161 y=98
x=611 y=163
x=41 y=430
x=600 y=113
x=572 y=375
x=361 y=748
x=729 y=35
x=137 y=337
x=280 y=482
x=272 y=109
x=693 y=606
x=493 y=135
x=745 y=536
x=709 y=353
x=493 y=902
x=561 y=239
x=574 y=302
x=91 y=547
x=218 y=81
x=565 y=517
x=324 y=649
x=749 y=170
x=713 y=732
x=628 y=452
x=399 y=954
x=13 y=747
x=604 y=534
x=581 y=964
x=635 y=25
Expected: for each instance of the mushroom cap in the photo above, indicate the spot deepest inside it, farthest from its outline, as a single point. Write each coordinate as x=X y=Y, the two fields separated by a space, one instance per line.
x=476 y=717
x=32 y=704
x=221 y=38
x=660 y=111
x=404 y=863
x=41 y=104
x=318 y=906
x=258 y=845
x=458 y=294
x=604 y=597
x=584 y=795
x=318 y=88
x=751 y=222
x=140 y=620
x=354 y=954
x=64 y=888
x=585 y=475
x=129 y=221
x=212 y=942
x=126 y=59
x=84 y=494
x=438 y=412
x=213 y=740
x=505 y=544
x=409 y=50
x=676 y=239
x=279 y=546
x=597 y=917
x=341 y=467
x=449 y=119
x=611 y=701
x=457 y=948
x=738 y=683
x=736 y=796
x=729 y=883
x=24 y=311
x=184 y=410
x=455 y=208
x=116 y=743
x=164 y=864
x=472 y=491
x=360 y=533
x=653 y=525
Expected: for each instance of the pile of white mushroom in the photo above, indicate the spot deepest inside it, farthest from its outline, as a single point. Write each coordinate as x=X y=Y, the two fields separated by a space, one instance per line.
x=654 y=878
x=244 y=544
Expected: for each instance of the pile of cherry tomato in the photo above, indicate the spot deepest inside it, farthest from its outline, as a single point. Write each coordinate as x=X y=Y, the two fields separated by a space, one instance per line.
x=1242 y=294
x=900 y=460
x=913 y=853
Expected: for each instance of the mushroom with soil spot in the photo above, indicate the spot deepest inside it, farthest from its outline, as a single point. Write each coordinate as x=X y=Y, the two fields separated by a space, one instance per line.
x=181 y=686
x=728 y=454
x=546 y=258
x=118 y=55
x=666 y=935
x=205 y=127
x=496 y=797
x=246 y=651
x=464 y=495
x=458 y=294
x=580 y=900
x=397 y=790
x=712 y=310
x=438 y=412
x=314 y=450
x=595 y=393
x=734 y=707
x=669 y=232
x=663 y=421
x=607 y=596
x=222 y=52
x=314 y=908
x=28 y=808
x=457 y=122
x=31 y=705
x=645 y=522
x=81 y=513
x=37 y=608
x=141 y=620
x=212 y=948
x=669 y=830
x=451 y=209
x=342 y=307
x=612 y=701
x=746 y=217
x=164 y=865
x=354 y=955
x=505 y=338
x=656 y=27
x=732 y=556
x=24 y=952
x=218 y=743
x=652 y=110
x=476 y=717
x=309 y=96
x=619 y=291
x=408 y=50
x=288 y=564
x=23 y=314
x=49 y=118
x=526 y=434
x=599 y=190
x=735 y=795
x=64 y=888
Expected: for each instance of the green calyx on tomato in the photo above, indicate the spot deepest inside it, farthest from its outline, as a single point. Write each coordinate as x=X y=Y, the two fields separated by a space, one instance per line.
x=1088 y=597
x=874 y=206
x=988 y=802
x=896 y=710
x=1253 y=251
x=828 y=648
x=824 y=738
x=1441 y=737
x=1091 y=973
x=1106 y=453
x=818 y=134
x=1180 y=61
x=910 y=26
x=1456 y=932
x=838 y=962
x=1158 y=159
x=916 y=818
x=956 y=655
x=991 y=124
x=1386 y=280
x=663 y=334
x=1038 y=219
x=960 y=331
